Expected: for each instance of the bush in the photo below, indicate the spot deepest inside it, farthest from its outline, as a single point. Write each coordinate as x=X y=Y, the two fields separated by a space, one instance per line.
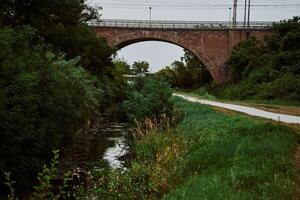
x=148 y=97
x=44 y=100
x=269 y=69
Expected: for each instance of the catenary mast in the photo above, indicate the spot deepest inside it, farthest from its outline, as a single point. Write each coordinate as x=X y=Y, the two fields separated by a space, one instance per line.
x=234 y=18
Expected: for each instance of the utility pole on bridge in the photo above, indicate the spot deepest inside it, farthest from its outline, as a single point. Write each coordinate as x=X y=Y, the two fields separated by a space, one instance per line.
x=245 y=14
x=234 y=18
x=249 y=7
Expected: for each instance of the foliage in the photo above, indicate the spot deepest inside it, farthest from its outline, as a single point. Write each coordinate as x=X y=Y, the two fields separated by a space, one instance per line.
x=121 y=66
x=45 y=93
x=148 y=97
x=45 y=189
x=203 y=93
x=140 y=67
x=153 y=126
x=95 y=52
x=209 y=155
x=269 y=69
x=9 y=183
x=148 y=176
x=51 y=12
x=62 y=23
x=44 y=100
x=187 y=73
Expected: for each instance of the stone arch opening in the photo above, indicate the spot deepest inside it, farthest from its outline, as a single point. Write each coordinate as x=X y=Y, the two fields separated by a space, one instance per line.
x=126 y=42
x=205 y=76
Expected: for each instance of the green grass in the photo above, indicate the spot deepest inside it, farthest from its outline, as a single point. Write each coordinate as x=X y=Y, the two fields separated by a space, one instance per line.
x=234 y=157
x=209 y=155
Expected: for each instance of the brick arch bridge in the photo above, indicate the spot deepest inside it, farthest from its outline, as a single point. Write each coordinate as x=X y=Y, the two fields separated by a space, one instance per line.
x=211 y=42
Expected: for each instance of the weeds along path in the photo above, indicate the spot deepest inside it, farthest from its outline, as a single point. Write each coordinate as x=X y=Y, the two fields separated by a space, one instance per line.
x=244 y=109
x=297 y=165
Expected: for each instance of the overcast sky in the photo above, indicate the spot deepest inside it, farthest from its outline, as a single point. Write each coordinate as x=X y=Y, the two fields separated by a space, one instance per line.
x=160 y=54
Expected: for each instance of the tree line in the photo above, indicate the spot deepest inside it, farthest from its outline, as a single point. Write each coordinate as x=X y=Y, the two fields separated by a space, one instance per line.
x=186 y=73
x=268 y=69
x=55 y=74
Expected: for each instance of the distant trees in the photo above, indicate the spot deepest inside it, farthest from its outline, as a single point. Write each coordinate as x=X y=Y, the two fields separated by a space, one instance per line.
x=136 y=68
x=189 y=72
x=121 y=67
x=140 y=67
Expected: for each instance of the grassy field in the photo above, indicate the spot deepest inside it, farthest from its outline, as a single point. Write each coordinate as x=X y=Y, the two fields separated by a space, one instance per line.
x=209 y=155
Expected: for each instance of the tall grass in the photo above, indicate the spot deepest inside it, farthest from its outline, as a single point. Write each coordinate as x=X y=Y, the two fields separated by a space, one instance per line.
x=209 y=155
x=163 y=123
x=234 y=157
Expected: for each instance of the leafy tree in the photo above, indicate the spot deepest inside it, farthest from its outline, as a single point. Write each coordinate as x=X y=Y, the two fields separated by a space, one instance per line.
x=46 y=94
x=189 y=72
x=148 y=97
x=121 y=67
x=140 y=67
x=268 y=69
x=244 y=58
x=63 y=24
x=44 y=100
x=168 y=73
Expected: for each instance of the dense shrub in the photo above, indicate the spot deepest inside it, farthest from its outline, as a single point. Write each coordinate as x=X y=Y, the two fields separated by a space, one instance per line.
x=63 y=24
x=148 y=97
x=44 y=100
x=269 y=69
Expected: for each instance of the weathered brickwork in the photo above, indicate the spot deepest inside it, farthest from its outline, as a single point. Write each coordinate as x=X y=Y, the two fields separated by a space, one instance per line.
x=212 y=47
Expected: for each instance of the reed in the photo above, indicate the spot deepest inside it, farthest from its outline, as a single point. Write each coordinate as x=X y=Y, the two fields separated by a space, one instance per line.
x=162 y=124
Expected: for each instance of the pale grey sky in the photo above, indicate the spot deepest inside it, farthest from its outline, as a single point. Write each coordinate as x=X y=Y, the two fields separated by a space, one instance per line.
x=160 y=54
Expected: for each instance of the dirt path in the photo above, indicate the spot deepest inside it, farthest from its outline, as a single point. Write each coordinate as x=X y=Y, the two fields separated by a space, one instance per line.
x=288 y=110
x=291 y=119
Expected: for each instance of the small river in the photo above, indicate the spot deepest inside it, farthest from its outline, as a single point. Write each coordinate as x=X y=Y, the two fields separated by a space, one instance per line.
x=113 y=136
x=103 y=144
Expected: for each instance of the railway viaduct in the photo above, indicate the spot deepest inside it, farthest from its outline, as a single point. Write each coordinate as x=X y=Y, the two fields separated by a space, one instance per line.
x=211 y=42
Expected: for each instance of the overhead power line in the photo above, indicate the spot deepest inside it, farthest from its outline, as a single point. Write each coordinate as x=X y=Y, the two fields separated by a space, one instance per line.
x=200 y=5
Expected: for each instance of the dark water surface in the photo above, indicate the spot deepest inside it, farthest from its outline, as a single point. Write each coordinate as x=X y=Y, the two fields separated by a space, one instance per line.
x=104 y=143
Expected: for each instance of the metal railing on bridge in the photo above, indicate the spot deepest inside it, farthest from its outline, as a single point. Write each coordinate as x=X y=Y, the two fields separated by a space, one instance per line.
x=160 y=24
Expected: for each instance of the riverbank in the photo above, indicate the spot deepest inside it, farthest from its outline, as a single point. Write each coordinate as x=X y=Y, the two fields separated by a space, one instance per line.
x=209 y=155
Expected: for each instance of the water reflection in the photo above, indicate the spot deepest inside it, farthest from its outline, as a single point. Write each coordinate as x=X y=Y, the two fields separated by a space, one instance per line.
x=113 y=155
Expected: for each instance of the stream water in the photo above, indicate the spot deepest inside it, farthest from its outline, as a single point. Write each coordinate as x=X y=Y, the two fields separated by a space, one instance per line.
x=114 y=134
x=106 y=141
